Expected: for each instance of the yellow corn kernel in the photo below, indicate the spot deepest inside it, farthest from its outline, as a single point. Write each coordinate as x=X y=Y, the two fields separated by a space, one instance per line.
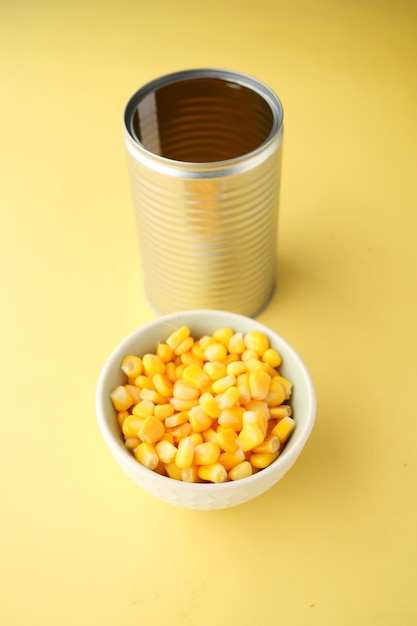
x=185 y=453
x=206 y=453
x=230 y=459
x=260 y=460
x=144 y=382
x=220 y=385
x=272 y=357
x=223 y=335
x=229 y=398
x=226 y=438
x=249 y=355
x=255 y=340
x=198 y=352
x=278 y=412
x=190 y=474
x=184 y=391
x=215 y=370
x=258 y=418
x=179 y=369
x=209 y=405
x=152 y=429
x=146 y=455
x=195 y=376
x=196 y=438
x=199 y=420
x=173 y=471
x=276 y=394
x=177 y=337
x=235 y=368
x=215 y=352
x=166 y=451
x=188 y=358
x=241 y=470
x=244 y=389
x=143 y=408
x=205 y=341
x=287 y=384
x=184 y=346
x=162 y=385
x=253 y=364
x=121 y=398
x=170 y=371
x=180 y=431
x=133 y=391
x=168 y=437
x=176 y=419
x=232 y=417
x=283 y=429
x=162 y=411
x=259 y=405
x=236 y=344
x=209 y=435
x=271 y=443
x=132 y=442
x=152 y=396
x=183 y=405
x=132 y=366
x=259 y=384
x=131 y=425
x=165 y=352
x=153 y=364
x=121 y=416
x=214 y=473
x=250 y=437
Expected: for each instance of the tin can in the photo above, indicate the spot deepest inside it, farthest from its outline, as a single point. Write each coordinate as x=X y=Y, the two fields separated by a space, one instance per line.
x=204 y=153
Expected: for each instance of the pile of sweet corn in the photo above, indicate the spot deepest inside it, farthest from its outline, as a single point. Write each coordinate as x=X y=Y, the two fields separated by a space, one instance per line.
x=207 y=410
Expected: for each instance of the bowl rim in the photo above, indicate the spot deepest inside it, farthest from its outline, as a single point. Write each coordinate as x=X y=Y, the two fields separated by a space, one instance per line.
x=133 y=467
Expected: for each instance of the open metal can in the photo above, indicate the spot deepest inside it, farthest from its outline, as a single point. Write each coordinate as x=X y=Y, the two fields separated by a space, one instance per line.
x=204 y=153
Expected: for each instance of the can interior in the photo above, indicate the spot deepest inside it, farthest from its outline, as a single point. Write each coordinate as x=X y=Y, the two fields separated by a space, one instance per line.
x=202 y=120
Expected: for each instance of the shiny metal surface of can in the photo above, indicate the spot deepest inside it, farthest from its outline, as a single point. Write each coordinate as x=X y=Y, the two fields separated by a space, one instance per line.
x=204 y=153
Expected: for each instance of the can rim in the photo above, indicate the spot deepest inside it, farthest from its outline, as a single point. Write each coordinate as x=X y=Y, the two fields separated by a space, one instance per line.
x=245 y=80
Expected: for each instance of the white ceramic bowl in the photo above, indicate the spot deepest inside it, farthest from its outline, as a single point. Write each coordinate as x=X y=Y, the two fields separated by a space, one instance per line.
x=204 y=496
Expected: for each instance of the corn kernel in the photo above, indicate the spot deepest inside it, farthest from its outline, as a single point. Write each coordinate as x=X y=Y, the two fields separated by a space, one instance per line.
x=177 y=337
x=184 y=346
x=182 y=390
x=183 y=405
x=259 y=384
x=251 y=365
x=195 y=376
x=199 y=420
x=287 y=386
x=209 y=435
x=190 y=474
x=146 y=455
x=206 y=453
x=258 y=418
x=259 y=405
x=132 y=442
x=244 y=389
x=226 y=438
x=260 y=460
x=152 y=396
x=196 y=438
x=168 y=437
x=121 y=398
x=170 y=371
x=250 y=437
x=132 y=425
x=179 y=369
x=283 y=429
x=162 y=411
x=152 y=429
x=223 y=335
x=236 y=344
x=143 y=408
x=134 y=392
x=209 y=405
x=235 y=368
x=241 y=470
x=276 y=394
x=153 y=364
x=249 y=355
x=272 y=357
x=166 y=451
x=220 y=385
x=165 y=352
x=271 y=443
x=198 y=352
x=144 y=382
x=215 y=370
x=188 y=358
x=214 y=473
x=162 y=385
x=257 y=341
x=177 y=419
x=173 y=471
x=185 y=453
x=180 y=431
x=132 y=366
x=230 y=459
x=215 y=352
x=232 y=417
x=278 y=412
x=121 y=416
x=205 y=341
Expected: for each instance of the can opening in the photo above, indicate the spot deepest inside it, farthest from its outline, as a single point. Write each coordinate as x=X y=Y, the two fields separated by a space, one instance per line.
x=202 y=120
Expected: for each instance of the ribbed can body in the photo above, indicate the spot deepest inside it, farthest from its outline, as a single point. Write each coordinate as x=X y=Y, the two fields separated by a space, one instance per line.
x=204 y=154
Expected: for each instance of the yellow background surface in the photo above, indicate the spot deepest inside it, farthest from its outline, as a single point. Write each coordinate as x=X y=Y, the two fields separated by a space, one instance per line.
x=335 y=541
